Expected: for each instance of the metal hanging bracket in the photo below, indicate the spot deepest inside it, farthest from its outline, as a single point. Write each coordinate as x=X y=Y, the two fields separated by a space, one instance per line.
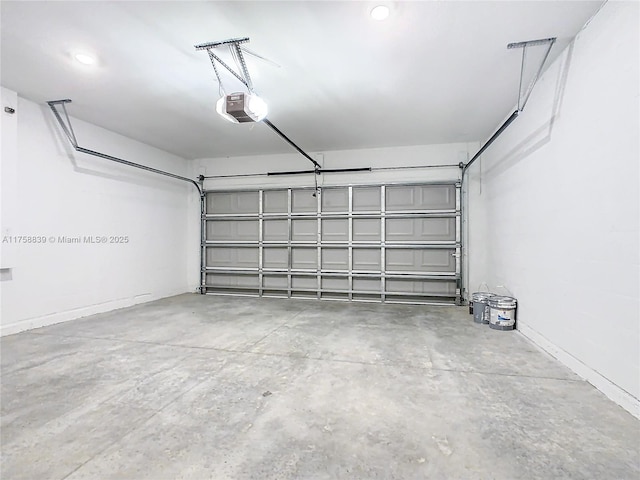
x=522 y=100
x=66 y=122
x=521 y=103
x=67 y=128
x=231 y=41
x=531 y=43
x=236 y=51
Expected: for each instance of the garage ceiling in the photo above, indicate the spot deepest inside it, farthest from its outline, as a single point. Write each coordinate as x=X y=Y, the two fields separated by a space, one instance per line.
x=433 y=72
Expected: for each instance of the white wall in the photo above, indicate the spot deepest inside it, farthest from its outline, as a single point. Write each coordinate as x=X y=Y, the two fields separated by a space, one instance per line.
x=50 y=191
x=558 y=206
x=409 y=156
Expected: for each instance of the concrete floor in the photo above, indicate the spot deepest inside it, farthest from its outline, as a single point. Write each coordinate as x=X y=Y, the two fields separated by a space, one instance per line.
x=203 y=387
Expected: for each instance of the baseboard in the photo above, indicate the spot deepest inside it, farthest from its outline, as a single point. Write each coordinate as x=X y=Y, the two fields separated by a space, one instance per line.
x=611 y=390
x=85 y=311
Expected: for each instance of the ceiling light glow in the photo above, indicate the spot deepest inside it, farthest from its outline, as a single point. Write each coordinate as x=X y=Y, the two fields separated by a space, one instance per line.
x=84 y=58
x=381 y=12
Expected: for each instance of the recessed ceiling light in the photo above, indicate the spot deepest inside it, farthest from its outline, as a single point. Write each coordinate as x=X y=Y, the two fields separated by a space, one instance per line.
x=380 y=12
x=84 y=58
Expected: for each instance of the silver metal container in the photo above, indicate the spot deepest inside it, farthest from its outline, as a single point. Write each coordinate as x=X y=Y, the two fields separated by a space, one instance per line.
x=502 y=312
x=480 y=307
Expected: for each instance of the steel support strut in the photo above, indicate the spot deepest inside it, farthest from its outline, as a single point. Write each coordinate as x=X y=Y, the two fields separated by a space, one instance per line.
x=527 y=93
x=502 y=128
x=67 y=128
x=524 y=45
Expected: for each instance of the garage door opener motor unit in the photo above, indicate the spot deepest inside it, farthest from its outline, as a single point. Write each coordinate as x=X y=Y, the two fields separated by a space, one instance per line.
x=241 y=107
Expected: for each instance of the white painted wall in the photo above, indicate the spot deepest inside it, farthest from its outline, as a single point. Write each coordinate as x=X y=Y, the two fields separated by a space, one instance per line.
x=50 y=191
x=8 y=165
x=409 y=156
x=559 y=209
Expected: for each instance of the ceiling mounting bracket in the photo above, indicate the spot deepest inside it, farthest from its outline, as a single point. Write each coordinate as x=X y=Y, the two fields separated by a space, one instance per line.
x=67 y=128
x=522 y=99
x=231 y=41
x=236 y=52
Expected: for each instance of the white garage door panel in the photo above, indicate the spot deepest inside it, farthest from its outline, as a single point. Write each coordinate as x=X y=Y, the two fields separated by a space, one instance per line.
x=303 y=201
x=275 y=230
x=232 y=257
x=421 y=260
x=232 y=202
x=335 y=230
x=304 y=230
x=275 y=282
x=275 y=258
x=335 y=259
x=419 y=197
x=431 y=287
x=231 y=281
x=233 y=230
x=367 y=259
x=398 y=243
x=335 y=283
x=367 y=284
x=299 y=282
x=276 y=201
x=335 y=200
x=366 y=230
x=366 y=199
x=304 y=258
x=421 y=229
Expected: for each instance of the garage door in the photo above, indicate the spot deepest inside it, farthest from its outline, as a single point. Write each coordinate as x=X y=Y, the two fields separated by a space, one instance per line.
x=382 y=243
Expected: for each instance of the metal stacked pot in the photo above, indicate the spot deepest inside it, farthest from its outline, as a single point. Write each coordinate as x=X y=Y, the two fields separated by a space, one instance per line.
x=480 y=306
